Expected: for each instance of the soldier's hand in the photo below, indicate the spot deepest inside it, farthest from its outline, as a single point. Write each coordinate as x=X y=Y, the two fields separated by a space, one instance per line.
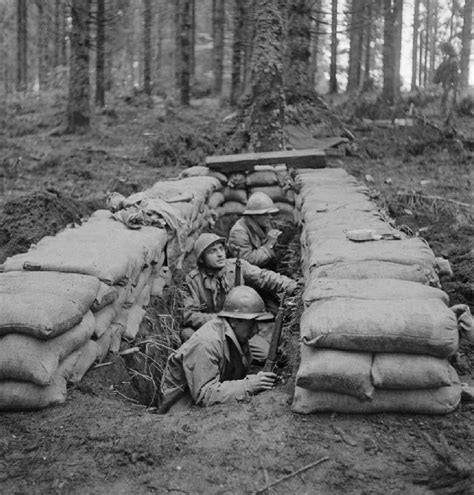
x=273 y=234
x=263 y=380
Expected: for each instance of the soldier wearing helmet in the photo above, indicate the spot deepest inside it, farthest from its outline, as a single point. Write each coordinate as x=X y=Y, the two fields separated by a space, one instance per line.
x=211 y=367
x=207 y=286
x=252 y=236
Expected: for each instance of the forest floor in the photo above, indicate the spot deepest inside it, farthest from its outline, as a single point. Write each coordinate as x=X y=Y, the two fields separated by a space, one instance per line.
x=103 y=441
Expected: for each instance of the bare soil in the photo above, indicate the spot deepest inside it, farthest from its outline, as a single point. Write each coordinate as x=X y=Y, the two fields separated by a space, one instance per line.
x=104 y=441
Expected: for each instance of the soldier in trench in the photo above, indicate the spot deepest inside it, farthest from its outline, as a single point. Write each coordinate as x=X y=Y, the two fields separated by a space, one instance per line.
x=252 y=236
x=207 y=286
x=211 y=367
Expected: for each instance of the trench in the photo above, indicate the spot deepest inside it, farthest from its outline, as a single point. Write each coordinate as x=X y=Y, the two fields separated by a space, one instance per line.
x=159 y=331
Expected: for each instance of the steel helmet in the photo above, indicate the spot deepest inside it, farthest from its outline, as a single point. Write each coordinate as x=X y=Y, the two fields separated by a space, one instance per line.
x=244 y=303
x=204 y=241
x=260 y=203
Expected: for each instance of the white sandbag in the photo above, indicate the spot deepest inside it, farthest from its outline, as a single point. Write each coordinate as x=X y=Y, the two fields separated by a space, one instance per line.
x=441 y=400
x=21 y=396
x=412 y=327
x=215 y=199
x=39 y=315
x=103 y=319
x=143 y=298
x=29 y=359
x=105 y=296
x=239 y=195
x=370 y=269
x=285 y=209
x=230 y=208
x=318 y=289
x=335 y=371
x=261 y=178
x=83 y=358
x=408 y=371
x=82 y=289
x=116 y=338
x=105 y=341
x=134 y=317
x=160 y=278
x=405 y=252
x=276 y=193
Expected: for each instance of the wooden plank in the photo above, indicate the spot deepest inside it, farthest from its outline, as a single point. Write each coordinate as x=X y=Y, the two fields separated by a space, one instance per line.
x=309 y=158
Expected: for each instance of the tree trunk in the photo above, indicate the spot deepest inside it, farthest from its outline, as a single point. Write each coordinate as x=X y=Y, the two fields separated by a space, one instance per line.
x=420 y=64
x=414 y=49
x=185 y=52
x=78 y=108
x=368 y=32
x=147 y=20
x=42 y=45
x=22 y=44
x=100 y=55
x=355 y=50
x=237 y=51
x=427 y=40
x=249 y=35
x=333 y=64
x=315 y=37
x=298 y=39
x=218 y=35
x=466 y=39
x=264 y=108
x=433 y=39
x=193 y=40
x=393 y=10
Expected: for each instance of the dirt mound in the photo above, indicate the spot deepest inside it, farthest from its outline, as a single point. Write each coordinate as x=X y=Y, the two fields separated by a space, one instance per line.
x=29 y=218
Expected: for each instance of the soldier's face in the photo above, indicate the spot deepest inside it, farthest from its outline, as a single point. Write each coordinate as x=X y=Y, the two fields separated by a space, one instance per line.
x=244 y=329
x=214 y=256
x=264 y=221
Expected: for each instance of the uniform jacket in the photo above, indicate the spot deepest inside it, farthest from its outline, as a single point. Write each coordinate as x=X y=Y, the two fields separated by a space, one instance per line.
x=211 y=366
x=249 y=238
x=205 y=291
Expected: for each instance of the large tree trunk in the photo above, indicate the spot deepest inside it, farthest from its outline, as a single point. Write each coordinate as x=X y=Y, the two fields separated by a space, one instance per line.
x=367 y=49
x=317 y=27
x=298 y=39
x=466 y=39
x=237 y=51
x=333 y=64
x=414 y=47
x=355 y=49
x=185 y=52
x=42 y=45
x=147 y=20
x=264 y=107
x=100 y=55
x=249 y=35
x=78 y=108
x=218 y=35
x=392 y=49
x=22 y=44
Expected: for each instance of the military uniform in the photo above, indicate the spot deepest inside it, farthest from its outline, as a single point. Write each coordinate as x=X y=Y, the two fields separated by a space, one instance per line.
x=209 y=368
x=248 y=238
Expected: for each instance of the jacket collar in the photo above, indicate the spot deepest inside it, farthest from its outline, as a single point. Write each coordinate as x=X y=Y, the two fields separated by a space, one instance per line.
x=255 y=228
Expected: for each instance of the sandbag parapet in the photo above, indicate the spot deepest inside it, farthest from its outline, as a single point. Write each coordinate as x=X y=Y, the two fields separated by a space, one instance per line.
x=376 y=330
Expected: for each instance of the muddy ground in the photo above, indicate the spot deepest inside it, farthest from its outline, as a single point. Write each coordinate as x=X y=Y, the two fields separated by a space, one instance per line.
x=104 y=441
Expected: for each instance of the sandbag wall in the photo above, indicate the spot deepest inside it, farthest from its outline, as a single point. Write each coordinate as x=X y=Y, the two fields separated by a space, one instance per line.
x=376 y=331
x=72 y=297
x=275 y=181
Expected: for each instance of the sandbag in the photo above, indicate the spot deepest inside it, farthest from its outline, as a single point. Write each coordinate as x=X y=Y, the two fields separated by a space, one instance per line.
x=82 y=289
x=21 y=396
x=318 y=289
x=105 y=296
x=407 y=371
x=370 y=269
x=285 y=209
x=406 y=326
x=336 y=371
x=276 y=193
x=229 y=208
x=29 y=359
x=105 y=341
x=134 y=318
x=83 y=359
x=40 y=315
x=441 y=400
x=103 y=319
x=239 y=195
x=160 y=278
x=261 y=178
x=215 y=199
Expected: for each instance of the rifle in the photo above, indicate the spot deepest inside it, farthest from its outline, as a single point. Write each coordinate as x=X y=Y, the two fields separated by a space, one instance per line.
x=238 y=269
x=273 y=350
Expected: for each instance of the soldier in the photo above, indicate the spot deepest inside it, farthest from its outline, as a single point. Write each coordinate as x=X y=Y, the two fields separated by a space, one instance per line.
x=211 y=367
x=207 y=286
x=252 y=237
x=447 y=74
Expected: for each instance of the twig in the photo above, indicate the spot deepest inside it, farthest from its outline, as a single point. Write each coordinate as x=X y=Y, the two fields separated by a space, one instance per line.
x=435 y=198
x=102 y=364
x=291 y=475
x=127 y=398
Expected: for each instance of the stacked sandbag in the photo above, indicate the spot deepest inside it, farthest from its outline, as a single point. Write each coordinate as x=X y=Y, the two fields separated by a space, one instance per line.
x=375 y=336
x=46 y=319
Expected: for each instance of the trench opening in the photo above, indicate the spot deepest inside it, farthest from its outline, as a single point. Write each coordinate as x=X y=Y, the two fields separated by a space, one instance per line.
x=158 y=336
